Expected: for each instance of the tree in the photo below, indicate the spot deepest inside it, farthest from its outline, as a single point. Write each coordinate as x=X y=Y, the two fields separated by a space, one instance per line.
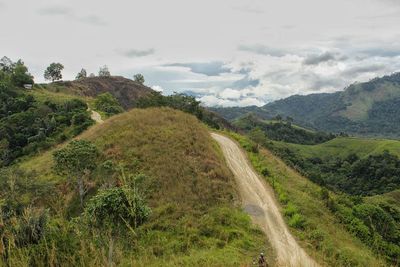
x=91 y=75
x=81 y=75
x=53 y=72
x=77 y=160
x=139 y=78
x=257 y=135
x=6 y=64
x=104 y=72
x=20 y=74
x=278 y=117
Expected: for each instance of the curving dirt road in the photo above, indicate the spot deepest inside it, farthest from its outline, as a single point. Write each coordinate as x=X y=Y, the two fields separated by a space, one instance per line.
x=258 y=200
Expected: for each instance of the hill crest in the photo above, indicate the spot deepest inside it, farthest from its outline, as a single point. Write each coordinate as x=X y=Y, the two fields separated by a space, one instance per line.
x=125 y=90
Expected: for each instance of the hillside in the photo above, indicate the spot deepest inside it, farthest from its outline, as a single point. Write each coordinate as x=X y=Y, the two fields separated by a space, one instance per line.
x=366 y=109
x=195 y=218
x=344 y=146
x=125 y=90
x=35 y=120
x=319 y=229
x=279 y=130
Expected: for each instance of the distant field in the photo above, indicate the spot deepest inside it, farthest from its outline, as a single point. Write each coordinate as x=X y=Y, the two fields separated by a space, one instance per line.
x=343 y=146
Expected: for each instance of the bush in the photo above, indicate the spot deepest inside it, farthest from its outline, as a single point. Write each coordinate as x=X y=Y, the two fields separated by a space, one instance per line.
x=108 y=103
x=290 y=210
x=118 y=206
x=297 y=221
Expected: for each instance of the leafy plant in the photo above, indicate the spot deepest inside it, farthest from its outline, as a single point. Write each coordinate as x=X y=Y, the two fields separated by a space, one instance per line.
x=107 y=103
x=76 y=161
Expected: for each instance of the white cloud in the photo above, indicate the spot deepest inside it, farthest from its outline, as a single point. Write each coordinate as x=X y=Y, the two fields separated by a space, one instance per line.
x=229 y=93
x=242 y=58
x=157 y=88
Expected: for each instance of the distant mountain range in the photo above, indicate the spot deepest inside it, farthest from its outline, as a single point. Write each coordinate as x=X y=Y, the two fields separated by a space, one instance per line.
x=365 y=109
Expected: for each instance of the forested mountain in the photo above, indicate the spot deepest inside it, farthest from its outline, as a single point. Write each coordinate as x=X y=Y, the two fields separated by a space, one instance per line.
x=366 y=109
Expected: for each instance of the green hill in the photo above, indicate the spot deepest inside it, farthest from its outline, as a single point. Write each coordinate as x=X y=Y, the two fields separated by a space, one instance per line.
x=195 y=216
x=365 y=109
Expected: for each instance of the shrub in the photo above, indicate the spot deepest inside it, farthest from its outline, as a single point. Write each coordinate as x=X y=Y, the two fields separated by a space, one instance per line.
x=118 y=206
x=108 y=103
x=290 y=210
x=297 y=221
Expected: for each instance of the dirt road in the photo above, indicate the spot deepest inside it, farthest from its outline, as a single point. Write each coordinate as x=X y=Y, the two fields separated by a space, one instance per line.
x=96 y=117
x=259 y=201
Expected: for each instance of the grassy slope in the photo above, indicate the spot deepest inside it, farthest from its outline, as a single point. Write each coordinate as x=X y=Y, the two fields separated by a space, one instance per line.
x=196 y=220
x=324 y=238
x=362 y=100
x=343 y=146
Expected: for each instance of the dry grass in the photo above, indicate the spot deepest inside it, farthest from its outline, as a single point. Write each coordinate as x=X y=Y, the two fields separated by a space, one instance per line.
x=334 y=245
x=196 y=219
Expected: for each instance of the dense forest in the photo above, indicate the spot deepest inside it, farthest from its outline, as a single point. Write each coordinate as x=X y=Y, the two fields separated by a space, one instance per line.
x=27 y=124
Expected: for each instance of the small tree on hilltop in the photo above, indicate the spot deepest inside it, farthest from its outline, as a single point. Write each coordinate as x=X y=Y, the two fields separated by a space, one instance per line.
x=76 y=161
x=139 y=78
x=104 y=72
x=53 y=72
x=20 y=74
x=81 y=75
x=6 y=64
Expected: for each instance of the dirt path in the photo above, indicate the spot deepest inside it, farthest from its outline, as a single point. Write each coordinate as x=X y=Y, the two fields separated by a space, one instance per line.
x=96 y=117
x=259 y=201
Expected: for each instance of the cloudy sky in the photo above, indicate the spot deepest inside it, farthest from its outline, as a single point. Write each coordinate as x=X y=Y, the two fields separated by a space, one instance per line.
x=225 y=52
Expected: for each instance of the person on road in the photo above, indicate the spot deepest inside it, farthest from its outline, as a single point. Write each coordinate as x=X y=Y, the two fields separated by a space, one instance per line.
x=261 y=261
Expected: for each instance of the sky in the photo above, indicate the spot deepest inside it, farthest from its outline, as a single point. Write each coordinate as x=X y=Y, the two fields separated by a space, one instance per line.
x=224 y=52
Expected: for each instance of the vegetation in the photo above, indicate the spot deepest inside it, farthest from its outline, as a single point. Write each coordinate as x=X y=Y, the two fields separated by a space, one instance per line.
x=356 y=174
x=329 y=236
x=53 y=72
x=28 y=124
x=154 y=158
x=108 y=104
x=139 y=78
x=126 y=91
x=363 y=109
x=280 y=130
x=185 y=103
x=81 y=75
x=351 y=165
x=104 y=72
x=76 y=161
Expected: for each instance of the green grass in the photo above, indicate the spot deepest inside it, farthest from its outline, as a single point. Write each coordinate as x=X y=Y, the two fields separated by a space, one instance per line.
x=344 y=146
x=324 y=238
x=196 y=217
x=44 y=93
x=362 y=100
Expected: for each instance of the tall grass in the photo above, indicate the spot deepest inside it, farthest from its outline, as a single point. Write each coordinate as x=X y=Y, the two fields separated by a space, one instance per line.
x=196 y=218
x=315 y=227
